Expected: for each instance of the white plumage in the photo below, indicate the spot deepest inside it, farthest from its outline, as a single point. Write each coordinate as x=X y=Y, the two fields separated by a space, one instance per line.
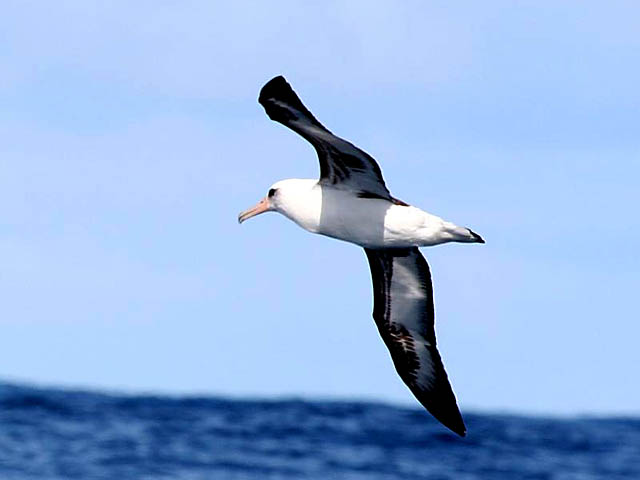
x=368 y=222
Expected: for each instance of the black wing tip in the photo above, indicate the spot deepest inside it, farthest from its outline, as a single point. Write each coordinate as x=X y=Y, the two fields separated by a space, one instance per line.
x=444 y=410
x=441 y=403
x=274 y=88
x=459 y=429
x=282 y=104
x=278 y=98
x=476 y=237
x=452 y=420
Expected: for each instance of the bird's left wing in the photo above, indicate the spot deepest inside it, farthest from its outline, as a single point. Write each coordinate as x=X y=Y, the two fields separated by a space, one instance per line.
x=403 y=311
x=342 y=164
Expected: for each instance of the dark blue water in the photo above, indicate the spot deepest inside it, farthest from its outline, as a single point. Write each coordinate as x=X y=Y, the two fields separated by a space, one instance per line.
x=57 y=434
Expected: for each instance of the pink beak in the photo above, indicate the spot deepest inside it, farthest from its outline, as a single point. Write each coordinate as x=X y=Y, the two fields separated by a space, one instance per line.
x=262 y=206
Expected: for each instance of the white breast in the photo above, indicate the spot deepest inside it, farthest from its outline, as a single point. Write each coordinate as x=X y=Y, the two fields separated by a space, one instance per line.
x=371 y=223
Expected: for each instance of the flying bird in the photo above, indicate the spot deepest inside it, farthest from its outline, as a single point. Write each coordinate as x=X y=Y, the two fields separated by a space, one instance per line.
x=351 y=202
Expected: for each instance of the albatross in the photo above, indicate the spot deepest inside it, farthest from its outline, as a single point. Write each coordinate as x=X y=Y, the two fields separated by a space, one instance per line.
x=351 y=202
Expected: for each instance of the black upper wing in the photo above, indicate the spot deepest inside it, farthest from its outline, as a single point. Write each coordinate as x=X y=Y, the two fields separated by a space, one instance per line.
x=342 y=164
x=403 y=311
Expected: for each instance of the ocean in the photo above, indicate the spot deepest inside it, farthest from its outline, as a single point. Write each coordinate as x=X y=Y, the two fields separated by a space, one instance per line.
x=48 y=434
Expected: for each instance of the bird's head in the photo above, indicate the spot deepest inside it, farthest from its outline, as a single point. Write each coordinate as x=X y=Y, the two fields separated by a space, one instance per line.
x=294 y=198
x=269 y=203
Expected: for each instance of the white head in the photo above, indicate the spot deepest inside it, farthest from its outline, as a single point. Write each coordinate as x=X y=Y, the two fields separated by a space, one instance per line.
x=280 y=197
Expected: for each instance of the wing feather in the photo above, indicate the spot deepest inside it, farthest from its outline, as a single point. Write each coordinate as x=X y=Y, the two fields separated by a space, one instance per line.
x=404 y=314
x=342 y=164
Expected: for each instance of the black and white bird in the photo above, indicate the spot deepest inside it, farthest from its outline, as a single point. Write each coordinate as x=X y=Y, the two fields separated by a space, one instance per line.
x=351 y=202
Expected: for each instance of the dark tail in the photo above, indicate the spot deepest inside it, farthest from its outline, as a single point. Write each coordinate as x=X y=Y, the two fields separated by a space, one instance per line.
x=476 y=237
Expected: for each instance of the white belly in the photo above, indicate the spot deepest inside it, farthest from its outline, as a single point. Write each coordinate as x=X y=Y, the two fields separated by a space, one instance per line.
x=379 y=224
x=371 y=223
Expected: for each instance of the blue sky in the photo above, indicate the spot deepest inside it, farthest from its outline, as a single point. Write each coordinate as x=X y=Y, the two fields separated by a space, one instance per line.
x=130 y=138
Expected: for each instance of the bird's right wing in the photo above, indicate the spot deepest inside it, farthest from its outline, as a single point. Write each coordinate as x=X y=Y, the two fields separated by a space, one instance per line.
x=404 y=313
x=342 y=164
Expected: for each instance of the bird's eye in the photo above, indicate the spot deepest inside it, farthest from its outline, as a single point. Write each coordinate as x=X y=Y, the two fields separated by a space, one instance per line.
x=272 y=192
